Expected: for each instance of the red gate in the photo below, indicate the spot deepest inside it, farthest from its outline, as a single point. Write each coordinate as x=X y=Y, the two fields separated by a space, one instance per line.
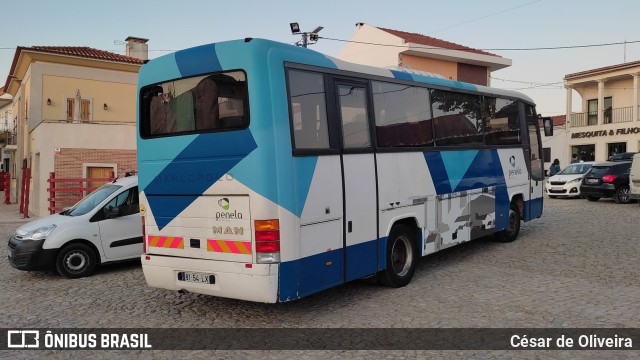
x=74 y=190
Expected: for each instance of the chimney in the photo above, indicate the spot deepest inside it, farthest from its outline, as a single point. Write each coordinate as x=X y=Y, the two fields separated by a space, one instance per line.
x=137 y=47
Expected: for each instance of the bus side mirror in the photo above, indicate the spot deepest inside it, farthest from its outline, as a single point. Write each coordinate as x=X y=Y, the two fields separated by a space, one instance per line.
x=547 y=122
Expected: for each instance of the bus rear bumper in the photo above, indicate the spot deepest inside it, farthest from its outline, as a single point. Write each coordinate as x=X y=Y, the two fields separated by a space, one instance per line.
x=232 y=280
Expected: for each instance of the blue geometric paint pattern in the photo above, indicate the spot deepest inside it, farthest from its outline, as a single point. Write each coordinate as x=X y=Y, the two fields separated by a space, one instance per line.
x=199 y=165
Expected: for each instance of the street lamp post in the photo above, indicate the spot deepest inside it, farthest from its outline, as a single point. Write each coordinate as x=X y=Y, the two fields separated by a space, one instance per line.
x=307 y=37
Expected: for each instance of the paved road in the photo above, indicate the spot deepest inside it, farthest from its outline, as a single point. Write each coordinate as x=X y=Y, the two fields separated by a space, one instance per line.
x=577 y=266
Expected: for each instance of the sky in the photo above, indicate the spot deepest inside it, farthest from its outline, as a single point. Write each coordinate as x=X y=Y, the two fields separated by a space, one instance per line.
x=488 y=25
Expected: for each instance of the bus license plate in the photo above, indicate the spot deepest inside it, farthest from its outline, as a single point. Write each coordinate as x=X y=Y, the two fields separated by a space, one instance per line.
x=196 y=277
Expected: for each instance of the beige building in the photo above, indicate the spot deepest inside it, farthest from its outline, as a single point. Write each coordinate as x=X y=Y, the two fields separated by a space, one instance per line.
x=609 y=122
x=420 y=52
x=74 y=110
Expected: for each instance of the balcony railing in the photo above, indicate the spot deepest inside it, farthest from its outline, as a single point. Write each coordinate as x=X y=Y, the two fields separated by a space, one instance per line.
x=619 y=115
x=609 y=116
x=8 y=138
x=583 y=119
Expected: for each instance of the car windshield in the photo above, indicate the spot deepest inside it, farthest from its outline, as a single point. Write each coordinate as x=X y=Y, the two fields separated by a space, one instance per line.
x=575 y=169
x=92 y=200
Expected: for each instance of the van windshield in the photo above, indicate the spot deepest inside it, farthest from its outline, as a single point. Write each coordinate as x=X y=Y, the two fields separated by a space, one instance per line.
x=90 y=202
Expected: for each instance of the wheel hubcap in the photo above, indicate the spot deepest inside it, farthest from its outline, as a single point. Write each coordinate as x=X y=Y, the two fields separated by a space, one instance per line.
x=76 y=261
x=624 y=195
x=401 y=256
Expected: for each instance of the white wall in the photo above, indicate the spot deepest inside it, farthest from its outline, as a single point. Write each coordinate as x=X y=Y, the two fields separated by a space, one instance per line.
x=379 y=56
x=558 y=145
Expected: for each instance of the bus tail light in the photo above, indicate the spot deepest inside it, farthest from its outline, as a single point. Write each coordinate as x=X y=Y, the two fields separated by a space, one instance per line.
x=609 y=178
x=144 y=236
x=267 y=236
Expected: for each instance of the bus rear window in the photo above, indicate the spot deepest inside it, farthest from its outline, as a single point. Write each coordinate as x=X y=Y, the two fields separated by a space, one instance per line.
x=214 y=102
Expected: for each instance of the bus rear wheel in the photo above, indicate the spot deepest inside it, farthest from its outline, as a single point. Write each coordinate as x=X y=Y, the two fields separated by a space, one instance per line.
x=513 y=226
x=401 y=257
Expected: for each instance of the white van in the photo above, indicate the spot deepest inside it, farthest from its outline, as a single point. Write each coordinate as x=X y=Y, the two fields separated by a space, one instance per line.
x=634 y=177
x=103 y=227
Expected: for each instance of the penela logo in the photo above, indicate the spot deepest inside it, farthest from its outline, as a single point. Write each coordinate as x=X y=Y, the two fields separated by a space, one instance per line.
x=515 y=171
x=224 y=203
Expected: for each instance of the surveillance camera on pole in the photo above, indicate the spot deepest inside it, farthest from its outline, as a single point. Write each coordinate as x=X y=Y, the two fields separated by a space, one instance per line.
x=307 y=37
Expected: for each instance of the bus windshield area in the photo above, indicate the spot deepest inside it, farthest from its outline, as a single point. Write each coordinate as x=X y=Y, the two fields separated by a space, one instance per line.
x=214 y=102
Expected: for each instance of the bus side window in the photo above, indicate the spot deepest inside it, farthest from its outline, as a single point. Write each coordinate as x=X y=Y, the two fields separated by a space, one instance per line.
x=308 y=110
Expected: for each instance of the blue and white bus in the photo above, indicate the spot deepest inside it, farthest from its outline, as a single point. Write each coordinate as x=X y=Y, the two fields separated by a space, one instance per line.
x=269 y=172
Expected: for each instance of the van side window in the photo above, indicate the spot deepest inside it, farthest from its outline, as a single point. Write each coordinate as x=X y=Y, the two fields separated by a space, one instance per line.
x=127 y=202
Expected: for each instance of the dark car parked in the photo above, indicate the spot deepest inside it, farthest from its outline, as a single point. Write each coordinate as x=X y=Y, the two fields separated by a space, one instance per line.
x=625 y=156
x=607 y=179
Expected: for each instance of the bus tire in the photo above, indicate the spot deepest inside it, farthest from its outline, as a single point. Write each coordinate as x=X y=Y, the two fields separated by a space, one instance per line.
x=75 y=261
x=401 y=255
x=513 y=227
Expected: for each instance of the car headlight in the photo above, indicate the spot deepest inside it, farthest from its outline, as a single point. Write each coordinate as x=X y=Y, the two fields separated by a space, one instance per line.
x=574 y=181
x=40 y=233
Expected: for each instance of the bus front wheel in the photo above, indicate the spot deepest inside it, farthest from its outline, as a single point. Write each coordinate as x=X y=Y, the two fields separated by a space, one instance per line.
x=401 y=257
x=513 y=227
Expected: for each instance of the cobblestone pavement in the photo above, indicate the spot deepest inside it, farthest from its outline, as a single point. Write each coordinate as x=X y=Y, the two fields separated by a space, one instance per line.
x=577 y=266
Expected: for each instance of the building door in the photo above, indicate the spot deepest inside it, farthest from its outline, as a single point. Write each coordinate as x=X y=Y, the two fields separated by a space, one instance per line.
x=99 y=172
x=359 y=181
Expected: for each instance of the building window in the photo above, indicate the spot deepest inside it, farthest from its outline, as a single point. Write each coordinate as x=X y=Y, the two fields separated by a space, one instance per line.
x=592 y=112
x=85 y=109
x=583 y=153
x=546 y=154
x=607 y=110
x=616 y=148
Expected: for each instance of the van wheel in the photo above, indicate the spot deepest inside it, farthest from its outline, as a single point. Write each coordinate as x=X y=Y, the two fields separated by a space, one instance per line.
x=76 y=261
x=513 y=227
x=622 y=196
x=592 y=198
x=401 y=257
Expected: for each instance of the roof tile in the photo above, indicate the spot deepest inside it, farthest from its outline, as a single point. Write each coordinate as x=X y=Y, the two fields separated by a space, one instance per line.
x=603 y=69
x=431 y=41
x=86 y=52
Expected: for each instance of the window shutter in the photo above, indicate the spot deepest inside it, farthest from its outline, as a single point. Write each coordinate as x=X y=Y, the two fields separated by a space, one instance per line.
x=85 y=109
x=69 y=109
